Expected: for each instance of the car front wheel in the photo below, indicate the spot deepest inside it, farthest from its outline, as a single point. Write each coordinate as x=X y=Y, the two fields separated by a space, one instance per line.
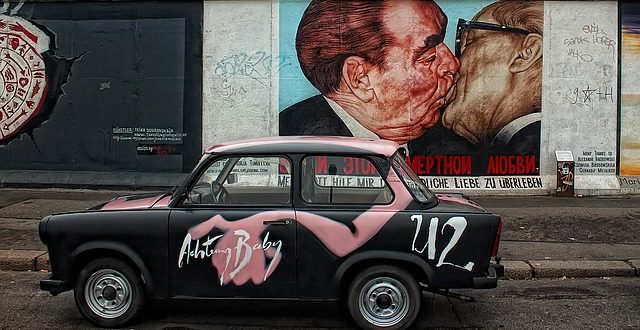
x=384 y=297
x=109 y=293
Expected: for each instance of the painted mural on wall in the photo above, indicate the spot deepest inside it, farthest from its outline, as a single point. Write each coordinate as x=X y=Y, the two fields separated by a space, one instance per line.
x=630 y=85
x=458 y=83
x=31 y=75
x=100 y=88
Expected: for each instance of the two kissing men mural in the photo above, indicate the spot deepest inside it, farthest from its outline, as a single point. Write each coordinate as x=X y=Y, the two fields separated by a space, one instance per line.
x=465 y=106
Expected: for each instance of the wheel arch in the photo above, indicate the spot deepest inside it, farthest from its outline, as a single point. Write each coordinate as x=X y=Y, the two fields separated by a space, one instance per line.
x=107 y=249
x=415 y=265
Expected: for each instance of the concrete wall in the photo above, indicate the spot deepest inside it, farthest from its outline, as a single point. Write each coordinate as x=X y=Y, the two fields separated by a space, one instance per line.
x=206 y=72
x=580 y=100
x=240 y=47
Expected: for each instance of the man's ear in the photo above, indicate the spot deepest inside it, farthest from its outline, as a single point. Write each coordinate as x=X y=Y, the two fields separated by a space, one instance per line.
x=355 y=76
x=530 y=51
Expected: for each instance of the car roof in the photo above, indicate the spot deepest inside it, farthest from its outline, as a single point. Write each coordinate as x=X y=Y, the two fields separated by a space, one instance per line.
x=307 y=144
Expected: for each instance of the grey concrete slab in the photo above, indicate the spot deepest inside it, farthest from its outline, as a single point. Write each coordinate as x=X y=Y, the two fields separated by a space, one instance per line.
x=560 y=268
x=20 y=240
x=19 y=224
x=88 y=179
x=39 y=208
x=19 y=234
x=518 y=202
x=516 y=250
x=571 y=224
x=58 y=193
x=9 y=196
x=7 y=199
x=517 y=270
x=19 y=260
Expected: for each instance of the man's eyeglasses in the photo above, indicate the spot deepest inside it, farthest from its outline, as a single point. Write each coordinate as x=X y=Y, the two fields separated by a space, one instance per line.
x=464 y=25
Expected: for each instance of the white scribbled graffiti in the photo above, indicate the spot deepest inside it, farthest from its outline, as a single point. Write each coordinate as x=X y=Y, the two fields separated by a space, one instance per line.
x=457 y=223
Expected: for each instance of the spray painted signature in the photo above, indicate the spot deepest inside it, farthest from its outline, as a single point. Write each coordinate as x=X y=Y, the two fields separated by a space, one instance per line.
x=242 y=249
x=239 y=247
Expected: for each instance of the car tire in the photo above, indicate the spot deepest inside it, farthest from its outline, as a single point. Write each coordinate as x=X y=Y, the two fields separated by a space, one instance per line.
x=109 y=293
x=384 y=297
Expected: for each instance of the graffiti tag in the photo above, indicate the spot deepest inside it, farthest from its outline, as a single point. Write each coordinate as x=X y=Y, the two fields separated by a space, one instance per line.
x=457 y=223
x=257 y=65
x=579 y=55
x=586 y=96
x=592 y=34
x=599 y=36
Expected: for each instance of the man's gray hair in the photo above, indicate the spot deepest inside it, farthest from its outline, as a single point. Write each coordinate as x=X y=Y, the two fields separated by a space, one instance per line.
x=528 y=15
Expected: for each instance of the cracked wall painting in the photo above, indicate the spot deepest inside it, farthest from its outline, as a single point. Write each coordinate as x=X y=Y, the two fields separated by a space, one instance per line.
x=630 y=90
x=120 y=89
x=434 y=77
x=30 y=76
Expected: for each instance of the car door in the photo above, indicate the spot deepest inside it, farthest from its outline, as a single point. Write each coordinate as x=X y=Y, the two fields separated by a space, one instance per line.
x=234 y=232
x=344 y=204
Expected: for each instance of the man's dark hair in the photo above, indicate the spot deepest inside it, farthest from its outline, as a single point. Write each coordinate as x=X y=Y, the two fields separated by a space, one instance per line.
x=332 y=30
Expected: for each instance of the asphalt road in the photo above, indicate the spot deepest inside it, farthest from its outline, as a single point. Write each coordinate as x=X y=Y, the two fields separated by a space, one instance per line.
x=597 y=303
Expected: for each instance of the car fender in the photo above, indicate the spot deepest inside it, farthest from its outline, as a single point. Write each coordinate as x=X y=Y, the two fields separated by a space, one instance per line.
x=119 y=248
x=392 y=257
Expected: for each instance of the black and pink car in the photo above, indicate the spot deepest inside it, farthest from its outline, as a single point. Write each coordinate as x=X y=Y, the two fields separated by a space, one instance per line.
x=301 y=218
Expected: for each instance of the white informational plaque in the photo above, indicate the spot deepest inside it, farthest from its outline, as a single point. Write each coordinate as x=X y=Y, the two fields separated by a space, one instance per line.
x=564 y=156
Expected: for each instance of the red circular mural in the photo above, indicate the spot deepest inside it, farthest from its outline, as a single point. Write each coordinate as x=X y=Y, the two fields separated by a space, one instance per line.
x=23 y=82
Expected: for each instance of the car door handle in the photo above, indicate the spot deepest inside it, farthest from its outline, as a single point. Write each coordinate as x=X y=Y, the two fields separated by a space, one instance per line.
x=282 y=222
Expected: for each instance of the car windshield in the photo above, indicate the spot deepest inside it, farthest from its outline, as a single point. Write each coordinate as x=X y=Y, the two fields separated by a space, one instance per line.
x=411 y=180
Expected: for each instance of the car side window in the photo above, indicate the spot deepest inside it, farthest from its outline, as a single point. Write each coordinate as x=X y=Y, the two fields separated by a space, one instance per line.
x=245 y=180
x=343 y=180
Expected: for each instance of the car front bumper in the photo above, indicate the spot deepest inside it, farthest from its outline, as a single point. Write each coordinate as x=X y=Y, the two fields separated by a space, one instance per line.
x=54 y=286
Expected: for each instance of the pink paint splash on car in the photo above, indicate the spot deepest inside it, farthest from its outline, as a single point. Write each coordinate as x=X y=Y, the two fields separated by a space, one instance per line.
x=238 y=257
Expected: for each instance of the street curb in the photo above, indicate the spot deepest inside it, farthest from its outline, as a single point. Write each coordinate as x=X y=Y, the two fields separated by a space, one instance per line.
x=42 y=262
x=517 y=270
x=23 y=260
x=35 y=260
x=586 y=268
x=636 y=265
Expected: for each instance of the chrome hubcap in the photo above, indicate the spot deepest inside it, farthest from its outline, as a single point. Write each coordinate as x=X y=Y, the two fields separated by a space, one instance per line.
x=384 y=301
x=108 y=293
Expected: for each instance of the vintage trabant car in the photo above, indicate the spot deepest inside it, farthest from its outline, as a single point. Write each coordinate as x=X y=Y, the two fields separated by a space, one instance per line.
x=301 y=218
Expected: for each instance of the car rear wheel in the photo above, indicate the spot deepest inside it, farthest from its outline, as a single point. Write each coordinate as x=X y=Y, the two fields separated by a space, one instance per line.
x=384 y=297
x=109 y=293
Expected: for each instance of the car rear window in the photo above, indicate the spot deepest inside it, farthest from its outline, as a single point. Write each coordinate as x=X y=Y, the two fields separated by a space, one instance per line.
x=343 y=180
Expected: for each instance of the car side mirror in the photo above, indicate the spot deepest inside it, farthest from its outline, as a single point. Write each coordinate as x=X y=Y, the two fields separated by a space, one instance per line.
x=232 y=178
